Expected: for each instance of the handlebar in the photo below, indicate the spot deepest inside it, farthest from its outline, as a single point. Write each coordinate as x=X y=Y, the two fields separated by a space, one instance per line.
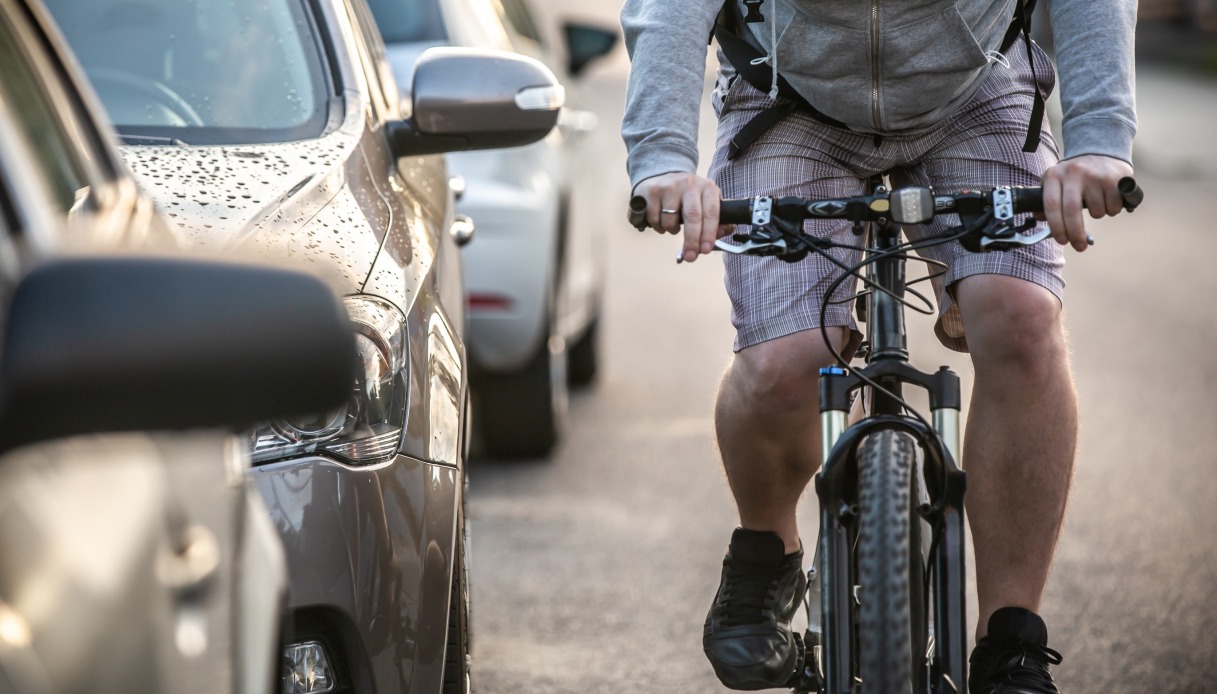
x=987 y=214
x=904 y=205
x=916 y=205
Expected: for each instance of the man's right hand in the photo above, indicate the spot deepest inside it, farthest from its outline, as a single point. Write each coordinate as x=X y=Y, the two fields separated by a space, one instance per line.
x=677 y=200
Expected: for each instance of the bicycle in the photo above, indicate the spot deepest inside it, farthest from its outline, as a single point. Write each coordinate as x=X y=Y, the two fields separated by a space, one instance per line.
x=885 y=602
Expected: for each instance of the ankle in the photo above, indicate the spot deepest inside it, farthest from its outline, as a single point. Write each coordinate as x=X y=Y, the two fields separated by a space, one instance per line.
x=1013 y=623
x=790 y=535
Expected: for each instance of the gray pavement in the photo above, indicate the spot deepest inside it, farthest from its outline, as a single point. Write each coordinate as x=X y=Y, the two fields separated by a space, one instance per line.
x=592 y=570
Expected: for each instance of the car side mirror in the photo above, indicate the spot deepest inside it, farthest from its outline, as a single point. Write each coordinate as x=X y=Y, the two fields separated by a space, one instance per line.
x=106 y=344
x=585 y=43
x=464 y=99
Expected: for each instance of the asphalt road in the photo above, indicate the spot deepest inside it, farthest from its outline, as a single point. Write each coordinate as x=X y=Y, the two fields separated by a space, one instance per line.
x=593 y=570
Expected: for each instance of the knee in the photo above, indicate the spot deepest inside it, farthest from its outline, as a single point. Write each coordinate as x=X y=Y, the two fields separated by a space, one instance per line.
x=782 y=375
x=1019 y=326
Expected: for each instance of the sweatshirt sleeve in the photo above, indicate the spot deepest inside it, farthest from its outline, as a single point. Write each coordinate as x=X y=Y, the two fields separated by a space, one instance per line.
x=667 y=42
x=1094 y=54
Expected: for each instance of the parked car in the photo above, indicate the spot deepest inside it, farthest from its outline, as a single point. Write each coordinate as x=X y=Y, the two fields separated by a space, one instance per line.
x=276 y=128
x=133 y=558
x=535 y=279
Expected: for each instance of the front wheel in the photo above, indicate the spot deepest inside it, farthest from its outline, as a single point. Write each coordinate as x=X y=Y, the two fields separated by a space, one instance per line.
x=891 y=611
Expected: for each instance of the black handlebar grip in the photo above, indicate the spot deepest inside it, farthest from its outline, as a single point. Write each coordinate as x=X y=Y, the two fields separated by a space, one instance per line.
x=1130 y=192
x=1029 y=199
x=735 y=211
x=1032 y=199
x=638 y=213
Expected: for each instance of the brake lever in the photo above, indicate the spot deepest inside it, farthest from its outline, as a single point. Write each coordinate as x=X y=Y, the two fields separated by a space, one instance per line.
x=769 y=240
x=778 y=246
x=1005 y=243
x=988 y=243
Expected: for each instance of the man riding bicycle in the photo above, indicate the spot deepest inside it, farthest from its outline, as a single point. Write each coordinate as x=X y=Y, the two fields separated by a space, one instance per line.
x=930 y=92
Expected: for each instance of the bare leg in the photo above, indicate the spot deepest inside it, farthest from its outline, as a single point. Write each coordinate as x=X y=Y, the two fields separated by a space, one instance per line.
x=767 y=421
x=1021 y=437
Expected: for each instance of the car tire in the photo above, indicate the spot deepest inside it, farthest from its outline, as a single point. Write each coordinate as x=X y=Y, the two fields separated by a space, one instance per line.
x=457 y=675
x=583 y=362
x=522 y=414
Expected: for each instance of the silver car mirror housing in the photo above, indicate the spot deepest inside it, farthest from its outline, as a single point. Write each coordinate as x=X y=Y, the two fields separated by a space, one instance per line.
x=465 y=99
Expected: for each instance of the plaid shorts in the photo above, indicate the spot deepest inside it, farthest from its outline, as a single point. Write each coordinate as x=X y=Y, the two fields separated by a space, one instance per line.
x=980 y=146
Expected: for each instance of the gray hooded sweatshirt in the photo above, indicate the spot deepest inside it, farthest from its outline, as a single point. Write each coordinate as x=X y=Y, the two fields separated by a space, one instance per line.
x=890 y=67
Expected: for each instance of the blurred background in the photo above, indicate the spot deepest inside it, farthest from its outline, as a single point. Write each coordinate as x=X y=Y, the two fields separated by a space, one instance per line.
x=592 y=569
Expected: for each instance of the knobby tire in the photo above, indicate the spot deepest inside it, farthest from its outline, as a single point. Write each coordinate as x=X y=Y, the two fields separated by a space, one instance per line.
x=891 y=613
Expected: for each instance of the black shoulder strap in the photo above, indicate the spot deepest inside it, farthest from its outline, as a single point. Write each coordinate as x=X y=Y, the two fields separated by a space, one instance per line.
x=1021 y=23
x=1022 y=18
x=742 y=52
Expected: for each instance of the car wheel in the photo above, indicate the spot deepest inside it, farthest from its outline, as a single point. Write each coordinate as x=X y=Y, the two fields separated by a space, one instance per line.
x=457 y=676
x=584 y=358
x=522 y=414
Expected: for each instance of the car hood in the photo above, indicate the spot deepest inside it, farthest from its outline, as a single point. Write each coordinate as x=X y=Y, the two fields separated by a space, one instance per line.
x=283 y=202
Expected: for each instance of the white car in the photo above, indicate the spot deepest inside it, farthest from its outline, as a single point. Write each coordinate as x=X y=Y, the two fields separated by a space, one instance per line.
x=533 y=280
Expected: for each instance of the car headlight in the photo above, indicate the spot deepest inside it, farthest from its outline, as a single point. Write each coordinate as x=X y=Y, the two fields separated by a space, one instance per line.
x=306 y=669
x=367 y=429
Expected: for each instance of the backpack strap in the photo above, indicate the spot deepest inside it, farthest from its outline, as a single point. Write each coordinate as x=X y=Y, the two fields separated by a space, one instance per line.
x=743 y=54
x=1021 y=19
x=1021 y=23
x=760 y=123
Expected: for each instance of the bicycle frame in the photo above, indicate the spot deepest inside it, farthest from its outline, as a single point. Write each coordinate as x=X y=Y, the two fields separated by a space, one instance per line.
x=836 y=484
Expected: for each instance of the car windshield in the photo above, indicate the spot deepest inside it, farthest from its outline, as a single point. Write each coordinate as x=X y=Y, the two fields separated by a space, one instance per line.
x=201 y=71
x=405 y=21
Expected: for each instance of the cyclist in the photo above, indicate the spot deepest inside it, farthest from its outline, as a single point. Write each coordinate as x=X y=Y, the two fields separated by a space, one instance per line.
x=928 y=92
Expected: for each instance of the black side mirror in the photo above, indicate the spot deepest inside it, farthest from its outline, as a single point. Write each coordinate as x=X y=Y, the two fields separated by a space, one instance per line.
x=464 y=99
x=124 y=344
x=585 y=43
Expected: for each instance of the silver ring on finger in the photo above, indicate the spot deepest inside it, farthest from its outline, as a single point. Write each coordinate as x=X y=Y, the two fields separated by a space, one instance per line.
x=668 y=211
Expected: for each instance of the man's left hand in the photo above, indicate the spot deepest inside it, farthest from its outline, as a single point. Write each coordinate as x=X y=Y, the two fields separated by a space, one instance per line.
x=1089 y=181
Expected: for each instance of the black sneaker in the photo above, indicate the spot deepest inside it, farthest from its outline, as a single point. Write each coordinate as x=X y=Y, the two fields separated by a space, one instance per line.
x=1014 y=657
x=747 y=636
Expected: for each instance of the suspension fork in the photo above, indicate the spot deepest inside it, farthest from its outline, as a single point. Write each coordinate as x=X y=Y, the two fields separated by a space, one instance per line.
x=835 y=568
x=949 y=669
x=836 y=487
